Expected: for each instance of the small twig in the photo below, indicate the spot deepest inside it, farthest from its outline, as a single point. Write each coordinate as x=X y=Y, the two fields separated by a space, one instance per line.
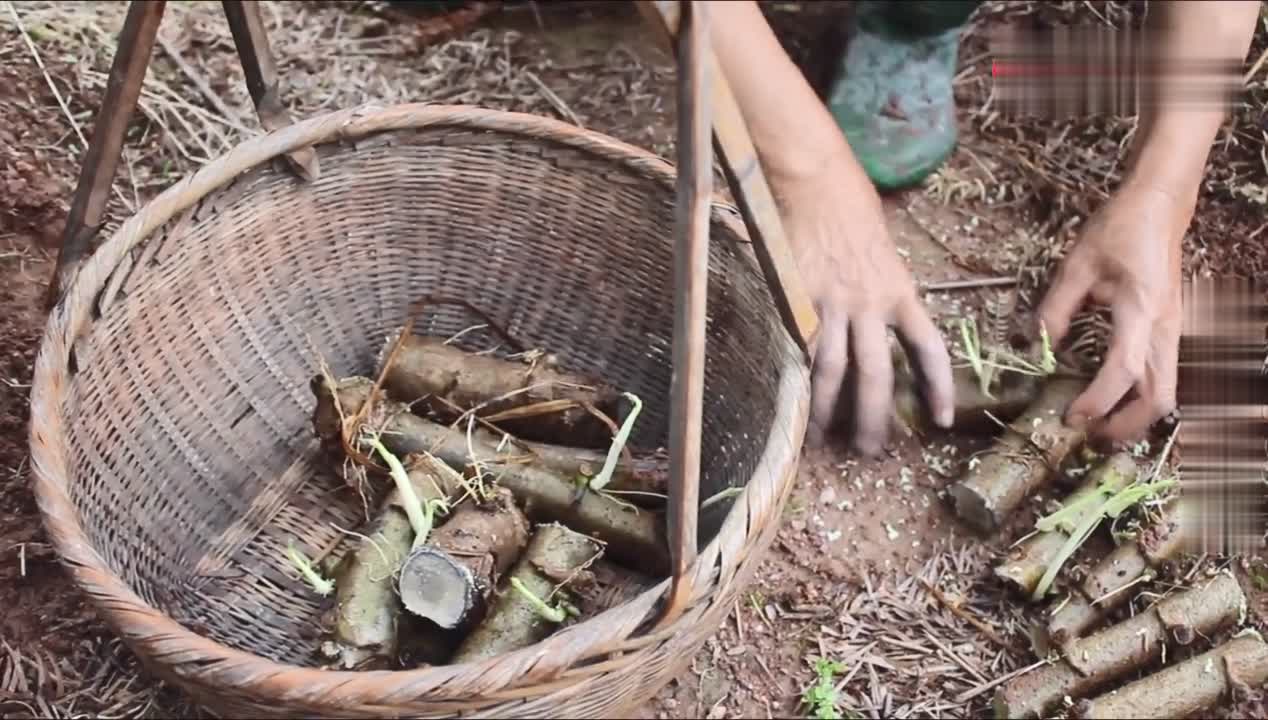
x=1143 y=577
x=200 y=83
x=971 y=284
x=957 y=610
x=554 y=100
x=1254 y=69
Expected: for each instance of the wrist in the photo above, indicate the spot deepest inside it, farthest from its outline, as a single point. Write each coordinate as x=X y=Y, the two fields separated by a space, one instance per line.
x=1172 y=153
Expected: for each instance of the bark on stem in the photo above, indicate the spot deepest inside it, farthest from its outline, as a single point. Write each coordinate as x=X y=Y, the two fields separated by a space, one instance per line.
x=1095 y=661
x=1183 y=690
x=426 y=370
x=514 y=622
x=1021 y=460
x=1027 y=563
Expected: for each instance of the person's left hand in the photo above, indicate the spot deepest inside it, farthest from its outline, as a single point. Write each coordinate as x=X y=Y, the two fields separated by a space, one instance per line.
x=1128 y=259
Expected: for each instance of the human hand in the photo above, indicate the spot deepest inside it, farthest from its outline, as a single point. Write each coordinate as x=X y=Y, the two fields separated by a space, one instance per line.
x=860 y=287
x=1128 y=259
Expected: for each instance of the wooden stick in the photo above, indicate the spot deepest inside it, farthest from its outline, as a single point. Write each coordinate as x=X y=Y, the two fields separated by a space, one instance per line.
x=246 y=25
x=748 y=184
x=101 y=157
x=691 y=285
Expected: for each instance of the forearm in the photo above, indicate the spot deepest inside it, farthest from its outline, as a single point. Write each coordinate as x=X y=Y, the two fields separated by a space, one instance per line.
x=1175 y=134
x=793 y=132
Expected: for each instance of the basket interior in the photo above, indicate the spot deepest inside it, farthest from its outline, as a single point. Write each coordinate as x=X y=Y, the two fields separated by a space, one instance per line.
x=188 y=417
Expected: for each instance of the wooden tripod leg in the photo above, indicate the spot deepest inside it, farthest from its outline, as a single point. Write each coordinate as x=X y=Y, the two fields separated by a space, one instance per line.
x=691 y=277
x=247 y=26
x=101 y=158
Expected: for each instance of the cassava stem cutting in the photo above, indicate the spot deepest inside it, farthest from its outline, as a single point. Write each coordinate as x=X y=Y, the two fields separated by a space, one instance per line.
x=534 y=402
x=1095 y=661
x=645 y=477
x=1103 y=589
x=527 y=607
x=367 y=610
x=635 y=538
x=1183 y=690
x=448 y=580
x=1021 y=460
x=975 y=411
x=1028 y=562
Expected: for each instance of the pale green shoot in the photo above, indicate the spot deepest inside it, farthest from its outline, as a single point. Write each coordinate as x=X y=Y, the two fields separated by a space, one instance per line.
x=1063 y=519
x=600 y=481
x=547 y=613
x=1110 y=507
x=418 y=516
x=320 y=585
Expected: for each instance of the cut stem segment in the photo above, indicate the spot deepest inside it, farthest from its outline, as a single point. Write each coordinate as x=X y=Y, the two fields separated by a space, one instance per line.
x=441 y=377
x=1021 y=460
x=1028 y=562
x=516 y=621
x=448 y=580
x=1095 y=661
x=1183 y=690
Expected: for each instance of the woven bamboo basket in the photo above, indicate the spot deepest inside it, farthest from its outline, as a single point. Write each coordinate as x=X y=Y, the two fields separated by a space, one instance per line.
x=170 y=431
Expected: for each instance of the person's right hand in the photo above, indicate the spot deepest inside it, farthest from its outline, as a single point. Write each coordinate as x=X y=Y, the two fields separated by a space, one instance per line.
x=860 y=286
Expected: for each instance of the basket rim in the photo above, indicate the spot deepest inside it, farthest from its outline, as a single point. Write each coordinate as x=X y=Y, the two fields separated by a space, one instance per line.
x=157 y=633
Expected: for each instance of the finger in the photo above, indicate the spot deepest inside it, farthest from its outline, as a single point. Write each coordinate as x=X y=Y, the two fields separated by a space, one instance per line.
x=928 y=355
x=1159 y=399
x=1129 y=424
x=1064 y=298
x=1123 y=368
x=874 y=384
x=831 y=361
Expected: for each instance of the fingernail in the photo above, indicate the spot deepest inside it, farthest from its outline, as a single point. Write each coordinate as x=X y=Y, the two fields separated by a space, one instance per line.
x=1077 y=421
x=946 y=418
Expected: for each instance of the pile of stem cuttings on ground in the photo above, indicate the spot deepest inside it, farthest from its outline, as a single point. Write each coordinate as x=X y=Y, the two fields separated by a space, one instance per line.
x=503 y=504
x=1082 y=645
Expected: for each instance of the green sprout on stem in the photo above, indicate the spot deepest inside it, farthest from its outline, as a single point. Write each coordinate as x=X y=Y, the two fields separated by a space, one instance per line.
x=1110 y=507
x=600 y=481
x=320 y=585
x=986 y=364
x=420 y=515
x=549 y=614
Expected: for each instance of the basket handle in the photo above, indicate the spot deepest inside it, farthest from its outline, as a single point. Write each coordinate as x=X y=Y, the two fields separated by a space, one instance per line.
x=707 y=108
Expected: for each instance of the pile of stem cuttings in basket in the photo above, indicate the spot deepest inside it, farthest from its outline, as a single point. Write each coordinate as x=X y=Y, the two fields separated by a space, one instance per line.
x=504 y=504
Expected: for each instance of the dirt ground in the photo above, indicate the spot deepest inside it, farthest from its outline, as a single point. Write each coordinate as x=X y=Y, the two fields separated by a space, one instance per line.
x=848 y=576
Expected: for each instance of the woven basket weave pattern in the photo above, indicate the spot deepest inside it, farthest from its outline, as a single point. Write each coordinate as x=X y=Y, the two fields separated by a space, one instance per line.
x=185 y=435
